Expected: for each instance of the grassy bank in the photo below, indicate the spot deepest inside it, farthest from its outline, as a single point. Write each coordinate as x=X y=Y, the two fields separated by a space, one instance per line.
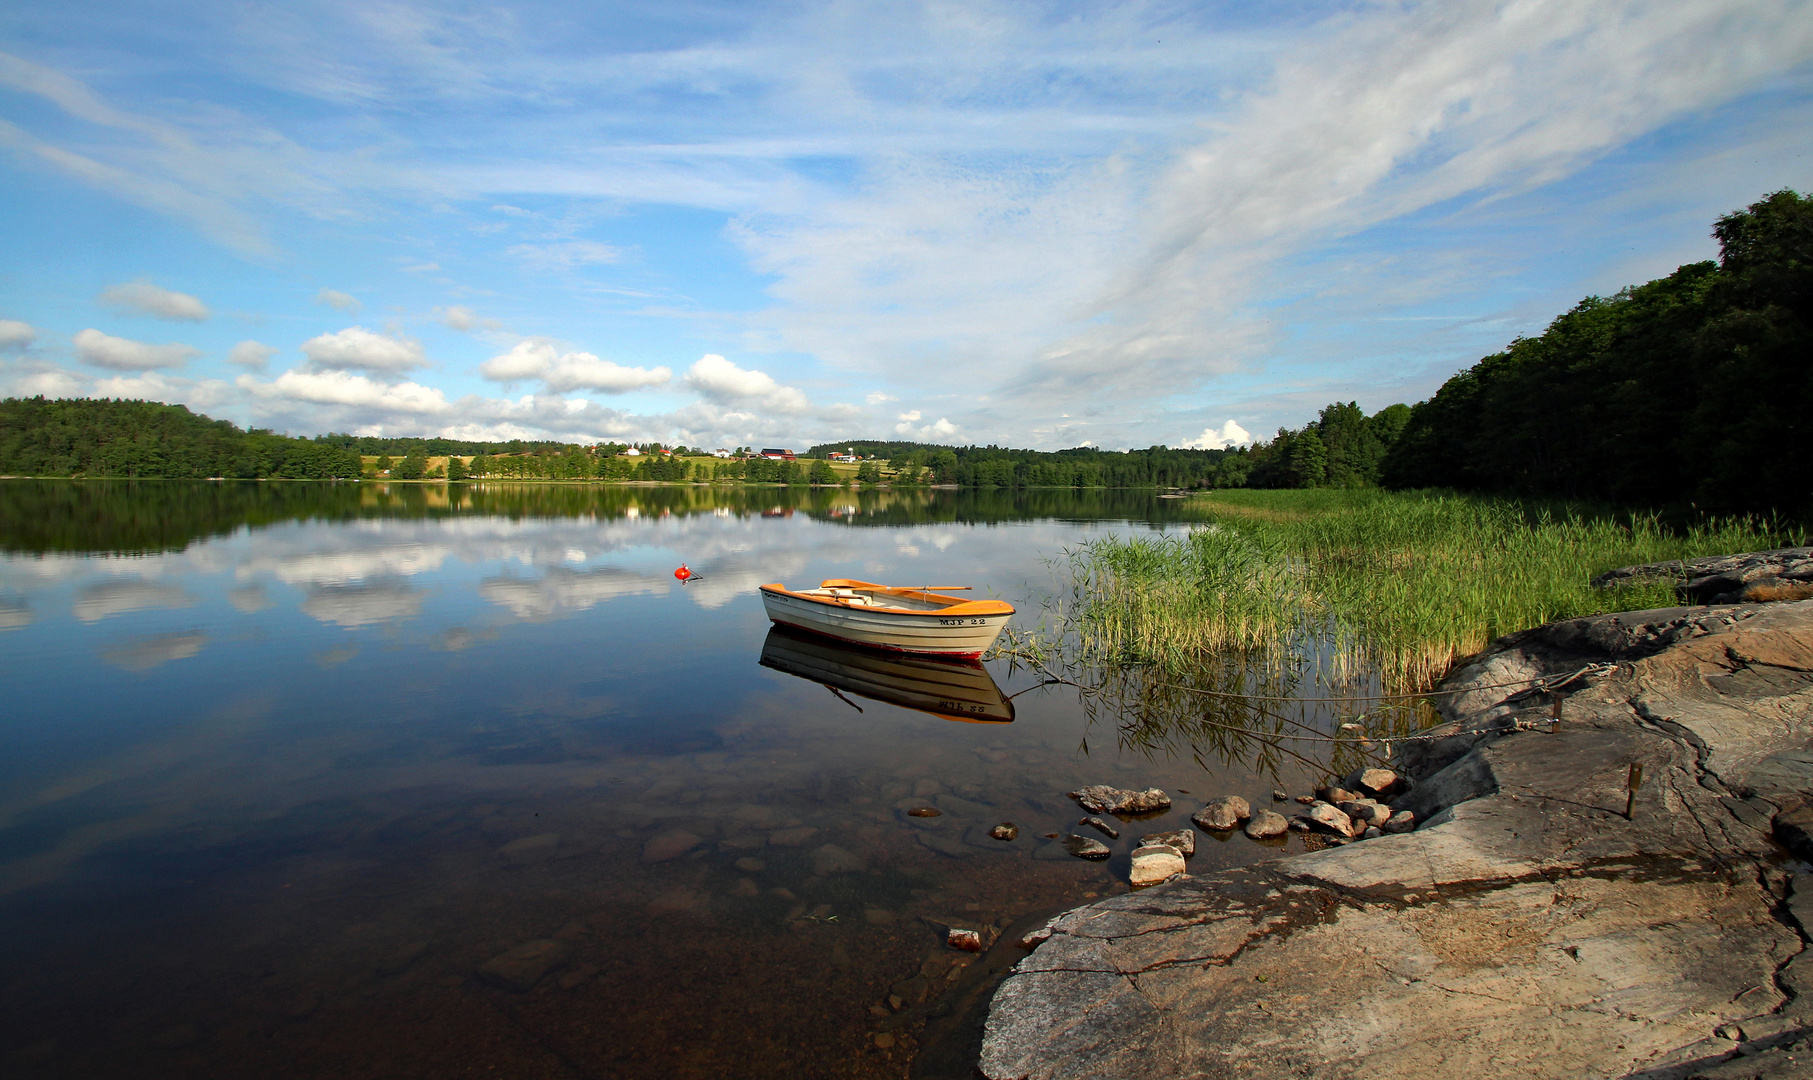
x=1399 y=584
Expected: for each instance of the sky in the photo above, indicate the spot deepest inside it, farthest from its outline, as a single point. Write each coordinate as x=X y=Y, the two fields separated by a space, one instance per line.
x=1033 y=224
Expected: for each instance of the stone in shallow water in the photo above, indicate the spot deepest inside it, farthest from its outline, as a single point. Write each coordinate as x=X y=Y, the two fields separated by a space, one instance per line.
x=1085 y=848
x=832 y=859
x=530 y=848
x=1265 y=823
x=669 y=845
x=1154 y=863
x=1007 y=830
x=966 y=940
x=1330 y=818
x=1184 y=840
x=1101 y=826
x=1376 y=782
x=945 y=845
x=525 y=965
x=1223 y=814
x=792 y=837
x=925 y=811
x=1368 y=811
x=1102 y=799
x=750 y=865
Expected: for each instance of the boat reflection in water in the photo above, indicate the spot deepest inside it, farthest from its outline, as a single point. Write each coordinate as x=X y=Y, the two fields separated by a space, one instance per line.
x=949 y=689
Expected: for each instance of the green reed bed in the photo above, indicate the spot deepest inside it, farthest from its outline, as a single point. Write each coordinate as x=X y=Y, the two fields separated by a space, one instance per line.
x=1401 y=584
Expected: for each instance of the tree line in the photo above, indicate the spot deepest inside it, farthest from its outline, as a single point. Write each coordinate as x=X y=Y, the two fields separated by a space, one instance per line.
x=1691 y=390
x=105 y=437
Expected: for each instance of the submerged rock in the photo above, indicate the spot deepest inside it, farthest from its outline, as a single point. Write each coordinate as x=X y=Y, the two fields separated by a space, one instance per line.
x=530 y=848
x=1223 y=814
x=525 y=965
x=1007 y=830
x=1102 y=799
x=1085 y=848
x=1102 y=826
x=925 y=811
x=669 y=845
x=945 y=845
x=796 y=837
x=831 y=859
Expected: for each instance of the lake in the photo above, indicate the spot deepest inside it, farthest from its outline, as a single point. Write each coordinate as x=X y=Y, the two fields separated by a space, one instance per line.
x=410 y=780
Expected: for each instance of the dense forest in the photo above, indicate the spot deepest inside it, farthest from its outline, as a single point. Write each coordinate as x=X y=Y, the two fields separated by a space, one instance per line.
x=994 y=466
x=1692 y=389
x=100 y=437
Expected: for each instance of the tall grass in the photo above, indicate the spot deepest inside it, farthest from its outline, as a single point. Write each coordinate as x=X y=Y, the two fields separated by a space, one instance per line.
x=1399 y=586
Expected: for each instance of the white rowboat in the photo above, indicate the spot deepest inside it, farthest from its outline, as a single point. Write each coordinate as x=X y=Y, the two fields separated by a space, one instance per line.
x=899 y=618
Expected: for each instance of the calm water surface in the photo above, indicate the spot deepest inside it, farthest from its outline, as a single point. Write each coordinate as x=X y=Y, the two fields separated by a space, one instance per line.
x=285 y=768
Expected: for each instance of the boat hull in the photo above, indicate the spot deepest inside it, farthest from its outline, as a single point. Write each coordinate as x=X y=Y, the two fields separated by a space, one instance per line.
x=926 y=633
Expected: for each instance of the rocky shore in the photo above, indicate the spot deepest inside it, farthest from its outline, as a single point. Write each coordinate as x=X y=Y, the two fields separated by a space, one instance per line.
x=1618 y=892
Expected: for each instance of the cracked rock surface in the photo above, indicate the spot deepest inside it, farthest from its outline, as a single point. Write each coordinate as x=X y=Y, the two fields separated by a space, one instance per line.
x=1526 y=928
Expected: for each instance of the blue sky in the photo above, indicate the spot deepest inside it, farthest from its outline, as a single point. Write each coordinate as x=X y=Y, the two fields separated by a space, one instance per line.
x=1042 y=225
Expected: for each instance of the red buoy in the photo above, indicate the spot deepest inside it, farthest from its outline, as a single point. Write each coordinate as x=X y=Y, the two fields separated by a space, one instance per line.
x=683 y=573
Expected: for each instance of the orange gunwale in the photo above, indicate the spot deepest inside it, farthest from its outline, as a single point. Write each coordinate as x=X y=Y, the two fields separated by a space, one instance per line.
x=951 y=605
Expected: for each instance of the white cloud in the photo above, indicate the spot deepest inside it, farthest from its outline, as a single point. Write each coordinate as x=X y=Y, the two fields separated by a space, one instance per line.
x=341 y=388
x=198 y=394
x=338 y=300
x=464 y=319
x=717 y=379
x=566 y=254
x=16 y=336
x=358 y=349
x=1229 y=435
x=939 y=430
x=122 y=354
x=144 y=298
x=880 y=397
x=537 y=358
x=50 y=382
x=251 y=354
